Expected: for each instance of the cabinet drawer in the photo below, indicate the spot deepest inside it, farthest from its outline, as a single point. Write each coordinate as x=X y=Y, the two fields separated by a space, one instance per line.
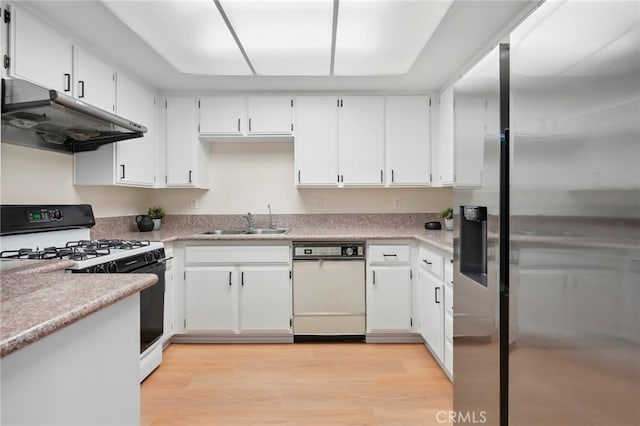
x=430 y=261
x=389 y=254
x=236 y=254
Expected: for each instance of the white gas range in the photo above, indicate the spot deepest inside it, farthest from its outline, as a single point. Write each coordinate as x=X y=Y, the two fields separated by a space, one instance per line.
x=45 y=232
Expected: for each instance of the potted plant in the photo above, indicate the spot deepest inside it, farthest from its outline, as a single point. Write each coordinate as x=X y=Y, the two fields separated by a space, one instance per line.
x=447 y=215
x=156 y=214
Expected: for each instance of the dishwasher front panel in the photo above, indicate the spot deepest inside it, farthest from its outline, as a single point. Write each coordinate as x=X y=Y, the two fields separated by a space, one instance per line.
x=329 y=297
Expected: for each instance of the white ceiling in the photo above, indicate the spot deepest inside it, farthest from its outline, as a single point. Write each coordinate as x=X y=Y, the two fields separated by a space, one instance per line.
x=467 y=32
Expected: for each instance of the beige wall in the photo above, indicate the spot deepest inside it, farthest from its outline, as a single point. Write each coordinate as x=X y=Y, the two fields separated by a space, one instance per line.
x=244 y=177
x=248 y=176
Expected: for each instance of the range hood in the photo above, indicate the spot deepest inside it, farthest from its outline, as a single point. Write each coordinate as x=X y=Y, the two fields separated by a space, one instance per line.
x=38 y=117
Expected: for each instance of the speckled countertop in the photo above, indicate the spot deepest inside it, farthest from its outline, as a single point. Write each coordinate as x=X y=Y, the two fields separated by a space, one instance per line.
x=343 y=227
x=34 y=303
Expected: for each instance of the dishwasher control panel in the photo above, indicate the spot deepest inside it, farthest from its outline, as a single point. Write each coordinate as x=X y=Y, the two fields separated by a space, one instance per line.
x=328 y=250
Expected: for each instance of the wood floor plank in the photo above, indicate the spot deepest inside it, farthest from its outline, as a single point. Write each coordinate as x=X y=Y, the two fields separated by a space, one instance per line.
x=296 y=384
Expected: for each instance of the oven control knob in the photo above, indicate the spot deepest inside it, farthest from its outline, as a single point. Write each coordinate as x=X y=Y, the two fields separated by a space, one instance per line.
x=99 y=269
x=57 y=214
x=158 y=254
x=148 y=257
x=112 y=267
x=349 y=251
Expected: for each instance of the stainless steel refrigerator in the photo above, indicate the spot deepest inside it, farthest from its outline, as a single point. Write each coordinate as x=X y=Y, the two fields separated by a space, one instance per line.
x=547 y=245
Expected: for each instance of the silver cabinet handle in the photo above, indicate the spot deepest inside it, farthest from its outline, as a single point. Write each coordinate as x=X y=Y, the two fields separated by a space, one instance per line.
x=390 y=255
x=190 y=172
x=393 y=179
x=229 y=278
x=122 y=167
x=298 y=176
x=241 y=278
x=249 y=124
x=238 y=124
x=81 y=83
x=436 y=294
x=67 y=82
x=426 y=261
x=381 y=177
x=374 y=277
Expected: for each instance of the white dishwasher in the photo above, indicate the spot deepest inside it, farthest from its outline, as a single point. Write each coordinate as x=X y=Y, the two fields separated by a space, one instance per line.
x=329 y=291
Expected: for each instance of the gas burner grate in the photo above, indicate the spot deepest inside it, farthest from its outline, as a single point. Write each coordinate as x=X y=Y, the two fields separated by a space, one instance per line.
x=72 y=253
x=108 y=243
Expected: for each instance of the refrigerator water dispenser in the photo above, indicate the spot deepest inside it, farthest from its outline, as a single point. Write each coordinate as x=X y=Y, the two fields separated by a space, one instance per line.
x=473 y=243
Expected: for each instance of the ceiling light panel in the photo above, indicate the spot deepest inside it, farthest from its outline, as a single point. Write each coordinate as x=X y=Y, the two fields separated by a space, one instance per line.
x=284 y=37
x=190 y=34
x=384 y=37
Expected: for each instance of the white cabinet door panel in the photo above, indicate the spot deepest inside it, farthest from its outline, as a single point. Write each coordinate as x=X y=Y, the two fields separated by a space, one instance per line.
x=39 y=53
x=432 y=313
x=181 y=139
x=316 y=140
x=445 y=136
x=361 y=140
x=223 y=115
x=265 y=299
x=95 y=81
x=208 y=299
x=269 y=115
x=407 y=136
x=389 y=307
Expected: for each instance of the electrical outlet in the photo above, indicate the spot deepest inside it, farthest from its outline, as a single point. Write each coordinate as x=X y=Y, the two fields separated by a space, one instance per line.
x=396 y=203
x=194 y=203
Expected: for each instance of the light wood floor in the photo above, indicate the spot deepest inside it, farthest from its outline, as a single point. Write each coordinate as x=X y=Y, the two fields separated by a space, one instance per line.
x=296 y=384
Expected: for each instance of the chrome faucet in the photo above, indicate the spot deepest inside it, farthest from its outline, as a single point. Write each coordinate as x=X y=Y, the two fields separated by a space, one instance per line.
x=272 y=224
x=249 y=218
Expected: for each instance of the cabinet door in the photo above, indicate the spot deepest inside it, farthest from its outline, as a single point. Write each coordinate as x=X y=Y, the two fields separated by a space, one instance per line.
x=469 y=122
x=181 y=139
x=222 y=115
x=316 y=141
x=39 y=53
x=137 y=158
x=265 y=299
x=445 y=136
x=269 y=115
x=95 y=81
x=361 y=140
x=432 y=313
x=208 y=299
x=389 y=299
x=407 y=136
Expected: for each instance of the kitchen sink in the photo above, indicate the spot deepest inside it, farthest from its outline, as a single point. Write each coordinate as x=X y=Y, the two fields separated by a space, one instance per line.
x=265 y=231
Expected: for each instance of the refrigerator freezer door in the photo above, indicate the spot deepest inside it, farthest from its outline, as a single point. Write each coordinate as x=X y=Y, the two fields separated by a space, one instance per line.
x=575 y=227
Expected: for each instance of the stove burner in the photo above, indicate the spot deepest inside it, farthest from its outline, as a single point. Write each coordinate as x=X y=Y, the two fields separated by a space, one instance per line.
x=72 y=253
x=112 y=244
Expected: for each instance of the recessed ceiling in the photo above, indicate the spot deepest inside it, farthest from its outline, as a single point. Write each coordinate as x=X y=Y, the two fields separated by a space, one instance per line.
x=284 y=37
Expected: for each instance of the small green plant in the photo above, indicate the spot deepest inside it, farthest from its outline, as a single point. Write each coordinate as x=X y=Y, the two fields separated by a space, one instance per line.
x=447 y=213
x=156 y=212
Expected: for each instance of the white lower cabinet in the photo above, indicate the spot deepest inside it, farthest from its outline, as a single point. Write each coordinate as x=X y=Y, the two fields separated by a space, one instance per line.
x=239 y=290
x=265 y=299
x=434 y=287
x=389 y=289
x=209 y=299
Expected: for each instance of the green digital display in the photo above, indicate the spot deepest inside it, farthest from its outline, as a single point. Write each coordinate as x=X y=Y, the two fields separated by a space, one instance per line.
x=36 y=216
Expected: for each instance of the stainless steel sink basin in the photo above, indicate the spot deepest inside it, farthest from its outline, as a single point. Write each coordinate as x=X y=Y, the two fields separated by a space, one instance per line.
x=265 y=231
x=225 y=231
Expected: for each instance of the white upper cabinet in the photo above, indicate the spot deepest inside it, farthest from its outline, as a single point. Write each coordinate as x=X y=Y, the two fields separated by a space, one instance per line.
x=222 y=115
x=361 y=140
x=445 y=137
x=316 y=141
x=137 y=158
x=245 y=116
x=407 y=136
x=469 y=136
x=39 y=53
x=94 y=81
x=269 y=115
x=187 y=157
